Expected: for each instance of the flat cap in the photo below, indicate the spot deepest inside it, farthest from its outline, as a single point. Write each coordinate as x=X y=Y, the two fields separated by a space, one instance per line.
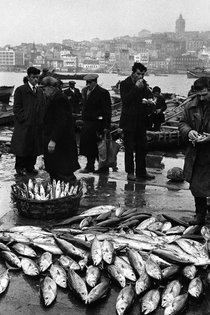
x=72 y=82
x=90 y=76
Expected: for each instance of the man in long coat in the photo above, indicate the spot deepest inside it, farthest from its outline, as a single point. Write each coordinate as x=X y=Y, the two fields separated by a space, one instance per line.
x=74 y=97
x=27 y=138
x=133 y=121
x=97 y=120
x=60 y=149
x=194 y=127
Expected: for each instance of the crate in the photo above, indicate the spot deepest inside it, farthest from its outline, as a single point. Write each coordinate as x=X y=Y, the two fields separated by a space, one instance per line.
x=58 y=208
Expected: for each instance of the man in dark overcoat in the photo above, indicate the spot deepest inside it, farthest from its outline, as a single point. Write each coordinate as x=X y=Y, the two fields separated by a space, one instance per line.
x=27 y=138
x=133 y=121
x=60 y=149
x=194 y=127
x=157 y=117
x=74 y=97
x=97 y=120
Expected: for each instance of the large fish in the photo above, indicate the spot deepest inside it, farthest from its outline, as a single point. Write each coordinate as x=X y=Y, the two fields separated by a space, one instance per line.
x=29 y=267
x=11 y=259
x=24 y=250
x=125 y=299
x=58 y=274
x=97 y=210
x=77 y=284
x=117 y=275
x=125 y=268
x=53 y=249
x=49 y=290
x=136 y=260
x=172 y=290
x=153 y=269
x=45 y=261
x=143 y=283
x=195 y=287
x=99 y=291
x=150 y=301
x=68 y=263
x=92 y=275
x=177 y=306
x=68 y=248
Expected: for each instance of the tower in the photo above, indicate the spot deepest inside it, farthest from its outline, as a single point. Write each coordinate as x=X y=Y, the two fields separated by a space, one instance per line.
x=180 y=26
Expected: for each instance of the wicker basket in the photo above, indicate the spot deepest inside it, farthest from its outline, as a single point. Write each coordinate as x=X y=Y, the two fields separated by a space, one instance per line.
x=47 y=209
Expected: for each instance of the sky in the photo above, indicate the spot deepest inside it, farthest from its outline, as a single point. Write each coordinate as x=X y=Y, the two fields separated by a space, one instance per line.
x=45 y=21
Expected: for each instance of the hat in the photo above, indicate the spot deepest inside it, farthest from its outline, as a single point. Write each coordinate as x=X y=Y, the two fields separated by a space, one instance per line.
x=72 y=82
x=49 y=81
x=90 y=77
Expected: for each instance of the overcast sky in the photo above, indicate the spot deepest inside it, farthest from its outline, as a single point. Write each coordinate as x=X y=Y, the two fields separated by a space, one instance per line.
x=44 y=21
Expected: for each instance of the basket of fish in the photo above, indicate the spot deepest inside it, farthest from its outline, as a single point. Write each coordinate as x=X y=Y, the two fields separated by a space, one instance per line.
x=47 y=200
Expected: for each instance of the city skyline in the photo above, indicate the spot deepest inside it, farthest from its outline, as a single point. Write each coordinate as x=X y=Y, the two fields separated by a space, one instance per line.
x=44 y=21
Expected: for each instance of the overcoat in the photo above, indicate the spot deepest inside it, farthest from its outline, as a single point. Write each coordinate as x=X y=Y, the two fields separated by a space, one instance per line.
x=196 y=116
x=74 y=99
x=29 y=107
x=58 y=127
x=134 y=111
x=97 y=117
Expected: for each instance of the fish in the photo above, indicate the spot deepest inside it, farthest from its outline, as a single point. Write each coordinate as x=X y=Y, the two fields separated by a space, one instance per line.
x=103 y=216
x=4 y=280
x=4 y=247
x=143 y=283
x=76 y=283
x=92 y=275
x=68 y=248
x=24 y=250
x=195 y=287
x=125 y=299
x=99 y=291
x=161 y=262
x=189 y=271
x=117 y=275
x=119 y=211
x=68 y=263
x=96 y=252
x=136 y=260
x=85 y=222
x=192 y=229
x=11 y=259
x=166 y=226
x=29 y=267
x=45 y=261
x=171 y=290
x=177 y=306
x=175 y=221
x=178 y=229
x=205 y=232
x=48 y=289
x=107 y=250
x=97 y=210
x=53 y=249
x=125 y=268
x=150 y=301
x=30 y=185
x=58 y=189
x=58 y=274
x=170 y=271
x=153 y=269
x=144 y=224
x=156 y=226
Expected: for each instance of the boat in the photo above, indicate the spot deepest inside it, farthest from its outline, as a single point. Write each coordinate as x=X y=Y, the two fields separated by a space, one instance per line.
x=7 y=117
x=5 y=93
x=198 y=72
x=75 y=76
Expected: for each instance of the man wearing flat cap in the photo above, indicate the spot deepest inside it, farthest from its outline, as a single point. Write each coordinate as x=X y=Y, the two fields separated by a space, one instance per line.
x=97 y=120
x=74 y=97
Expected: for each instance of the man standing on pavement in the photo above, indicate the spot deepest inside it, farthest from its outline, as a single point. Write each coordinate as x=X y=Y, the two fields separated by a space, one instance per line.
x=27 y=138
x=133 y=121
x=74 y=97
x=97 y=120
x=194 y=126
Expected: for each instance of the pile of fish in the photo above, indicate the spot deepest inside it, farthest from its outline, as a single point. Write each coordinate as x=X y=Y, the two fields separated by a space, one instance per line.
x=45 y=191
x=157 y=260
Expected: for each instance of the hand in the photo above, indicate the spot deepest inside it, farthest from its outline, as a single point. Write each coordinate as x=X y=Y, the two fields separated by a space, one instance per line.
x=193 y=135
x=205 y=138
x=51 y=146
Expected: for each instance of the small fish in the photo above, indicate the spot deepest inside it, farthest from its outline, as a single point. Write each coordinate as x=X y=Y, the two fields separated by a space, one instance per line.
x=153 y=269
x=136 y=260
x=177 y=305
x=24 y=250
x=125 y=268
x=172 y=290
x=117 y=275
x=49 y=290
x=85 y=222
x=150 y=301
x=179 y=229
x=96 y=252
x=58 y=274
x=195 y=287
x=170 y=271
x=107 y=249
x=53 y=249
x=4 y=247
x=58 y=189
x=205 y=232
x=97 y=210
x=45 y=261
x=144 y=224
x=30 y=185
x=77 y=284
x=4 y=281
x=166 y=226
x=68 y=248
x=42 y=192
x=98 y=292
x=143 y=283
x=125 y=299
x=11 y=259
x=156 y=226
x=189 y=271
x=92 y=275
x=29 y=267
x=119 y=211
x=68 y=263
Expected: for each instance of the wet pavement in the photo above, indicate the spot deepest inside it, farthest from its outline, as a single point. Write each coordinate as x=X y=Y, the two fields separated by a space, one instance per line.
x=156 y=196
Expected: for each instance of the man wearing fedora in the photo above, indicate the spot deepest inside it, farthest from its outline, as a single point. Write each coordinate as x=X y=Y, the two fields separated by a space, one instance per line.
x=97 y=120
x=74 y=97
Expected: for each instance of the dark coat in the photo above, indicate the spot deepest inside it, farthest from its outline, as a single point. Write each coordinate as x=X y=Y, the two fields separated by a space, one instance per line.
x=58 y=126
x=197 y=158
x=75 y=99
x=134 y=111
x=97 y=117
x=27 y=138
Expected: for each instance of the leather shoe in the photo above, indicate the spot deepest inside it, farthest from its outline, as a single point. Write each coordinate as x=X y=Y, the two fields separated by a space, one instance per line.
x=86 y=170
x=131 y=177
x=32 y=172
x=146 y=176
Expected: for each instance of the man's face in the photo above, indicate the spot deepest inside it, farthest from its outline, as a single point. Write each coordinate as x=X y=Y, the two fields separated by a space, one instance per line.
x=90 y=85
x=138 y=74
x=204 y=94
x=33 y=79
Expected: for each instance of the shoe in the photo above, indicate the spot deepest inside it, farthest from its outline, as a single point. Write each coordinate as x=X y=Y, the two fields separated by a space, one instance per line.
x=131 y=177
x=32 y=172
x=21 y=172
x=86 y=170
x=146 y=176
x=102 y=170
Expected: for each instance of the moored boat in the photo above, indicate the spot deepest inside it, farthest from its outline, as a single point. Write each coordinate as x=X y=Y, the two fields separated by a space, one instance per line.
x=5 y=93
x=75 y=76
x=198 y=72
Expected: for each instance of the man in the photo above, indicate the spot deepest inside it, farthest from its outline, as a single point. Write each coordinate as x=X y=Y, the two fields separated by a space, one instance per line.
x=74 y=97
x=157 y=117
x=133 y=121
x=97 y=120
x=194 y=127
x=27 y=138
x=60 y=149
